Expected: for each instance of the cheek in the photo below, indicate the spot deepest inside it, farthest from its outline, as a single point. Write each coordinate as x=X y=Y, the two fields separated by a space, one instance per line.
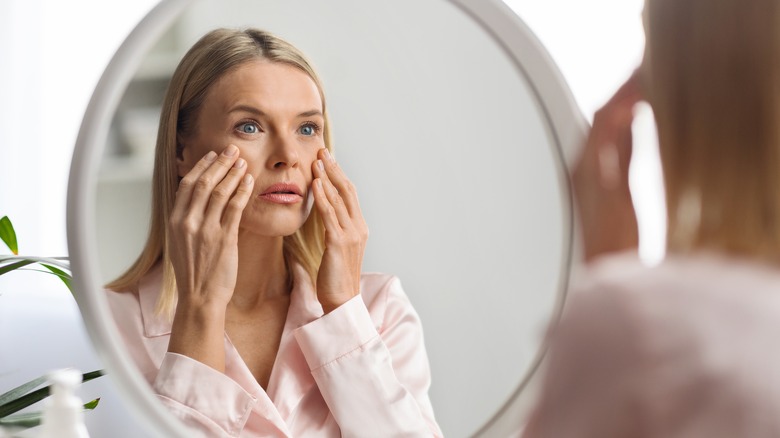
x=309 y=159
x=200 y=145
x=309 y=204
x=255 y=154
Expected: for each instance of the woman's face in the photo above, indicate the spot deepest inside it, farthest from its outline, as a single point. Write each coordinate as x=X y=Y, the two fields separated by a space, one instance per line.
x=273 y=113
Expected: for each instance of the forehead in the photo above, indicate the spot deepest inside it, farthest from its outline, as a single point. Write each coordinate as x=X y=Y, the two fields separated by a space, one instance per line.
x=269 y=86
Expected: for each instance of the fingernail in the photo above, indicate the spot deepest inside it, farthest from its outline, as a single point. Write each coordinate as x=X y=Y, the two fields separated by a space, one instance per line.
x=230 y=151
x=328 y=155
x=211 y=156
x=239 y=163
x=321 y=165
x=247 y=179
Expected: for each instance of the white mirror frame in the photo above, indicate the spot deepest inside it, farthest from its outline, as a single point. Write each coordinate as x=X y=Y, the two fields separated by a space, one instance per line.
x=567 y=128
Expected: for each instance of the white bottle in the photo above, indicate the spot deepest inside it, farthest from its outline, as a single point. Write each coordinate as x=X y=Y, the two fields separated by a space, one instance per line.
x=63 y=414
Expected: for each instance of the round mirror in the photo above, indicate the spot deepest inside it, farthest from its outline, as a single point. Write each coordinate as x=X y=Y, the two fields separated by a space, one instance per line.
x=454 y=126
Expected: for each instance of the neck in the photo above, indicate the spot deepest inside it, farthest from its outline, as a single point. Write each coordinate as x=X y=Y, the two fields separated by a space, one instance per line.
x=262 y=273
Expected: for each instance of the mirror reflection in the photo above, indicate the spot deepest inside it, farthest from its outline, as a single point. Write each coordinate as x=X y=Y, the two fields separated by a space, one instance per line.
x=454 y=175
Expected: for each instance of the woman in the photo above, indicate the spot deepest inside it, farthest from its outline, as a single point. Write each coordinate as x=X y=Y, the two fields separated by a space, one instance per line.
x=247 y=310
x=687 y=348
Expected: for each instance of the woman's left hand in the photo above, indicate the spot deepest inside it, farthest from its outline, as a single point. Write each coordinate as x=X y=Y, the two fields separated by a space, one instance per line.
x=600 y=177
x=346 y=233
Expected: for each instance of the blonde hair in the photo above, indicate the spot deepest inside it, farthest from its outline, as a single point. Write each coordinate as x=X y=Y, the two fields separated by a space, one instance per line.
x=215 y=54
x=712 y=76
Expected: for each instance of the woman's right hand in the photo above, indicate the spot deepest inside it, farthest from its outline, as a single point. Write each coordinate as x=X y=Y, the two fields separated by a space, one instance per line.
x=203 y=228
x=203 y=244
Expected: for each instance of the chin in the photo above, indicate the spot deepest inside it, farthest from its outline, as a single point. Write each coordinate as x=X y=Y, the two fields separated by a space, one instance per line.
x=273 y=225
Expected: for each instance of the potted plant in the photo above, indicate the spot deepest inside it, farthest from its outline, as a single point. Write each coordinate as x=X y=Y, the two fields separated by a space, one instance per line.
x=13 y=401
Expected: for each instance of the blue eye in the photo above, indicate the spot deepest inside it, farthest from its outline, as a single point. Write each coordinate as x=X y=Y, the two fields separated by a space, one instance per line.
x=308 y=129
x=248 y=128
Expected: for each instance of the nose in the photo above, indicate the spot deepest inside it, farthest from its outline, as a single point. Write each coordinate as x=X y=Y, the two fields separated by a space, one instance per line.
x=284 y=153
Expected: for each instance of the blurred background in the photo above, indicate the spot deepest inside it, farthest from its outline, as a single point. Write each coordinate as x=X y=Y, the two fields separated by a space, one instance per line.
x=53 y=54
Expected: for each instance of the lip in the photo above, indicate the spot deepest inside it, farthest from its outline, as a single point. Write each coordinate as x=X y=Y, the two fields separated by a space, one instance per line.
x=282 y=193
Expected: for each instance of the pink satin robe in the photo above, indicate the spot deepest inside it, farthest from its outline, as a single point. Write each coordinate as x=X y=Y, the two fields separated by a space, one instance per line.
x=362 y=370
x=685 y=349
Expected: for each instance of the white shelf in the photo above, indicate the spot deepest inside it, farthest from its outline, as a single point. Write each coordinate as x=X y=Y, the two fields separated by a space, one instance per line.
x=157 y=66
x=125 y=170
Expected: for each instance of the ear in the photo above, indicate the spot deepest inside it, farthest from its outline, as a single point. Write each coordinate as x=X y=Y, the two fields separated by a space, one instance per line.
x=183 y=164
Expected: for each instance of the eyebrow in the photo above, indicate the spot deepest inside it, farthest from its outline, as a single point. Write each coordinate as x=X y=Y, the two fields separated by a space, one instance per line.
x=253 y=110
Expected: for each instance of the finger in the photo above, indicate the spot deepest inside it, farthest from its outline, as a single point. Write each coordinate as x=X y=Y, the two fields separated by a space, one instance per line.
x=630 y=92
x=239 y=201
x=211 y=177
x=613 y=117
x=336 y=199
x=327 y=211
x=337 y=177
x=612 y=124
x=609 y=167
x=223 y=192
x=614 y=144
x=619 y=110
x=609 y=144
x=626 y=150
x=187 y=183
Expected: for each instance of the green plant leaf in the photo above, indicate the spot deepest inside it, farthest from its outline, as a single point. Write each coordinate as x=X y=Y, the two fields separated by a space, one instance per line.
x=16 y=405
x=92 y=375
x=21 y=390
x=23 y=401
x=8 y=268
x=8 y=234
x=64 y=276
x=92 y=405
x=22 y=421
x=33 y=419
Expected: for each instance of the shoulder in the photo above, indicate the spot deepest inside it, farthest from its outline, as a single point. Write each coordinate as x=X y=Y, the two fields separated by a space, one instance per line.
x=141 y=331
x=377 y=285
x=601 y=296
x=386 y=300
x=680 y=288
x=134 y=311
x=687 y=309
x=655 y=338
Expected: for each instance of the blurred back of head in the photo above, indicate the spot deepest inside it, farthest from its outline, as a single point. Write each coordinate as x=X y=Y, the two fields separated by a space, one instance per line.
x=712 y=76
